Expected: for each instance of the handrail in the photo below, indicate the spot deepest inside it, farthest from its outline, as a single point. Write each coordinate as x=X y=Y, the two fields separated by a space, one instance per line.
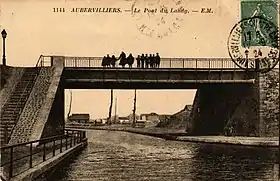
x=38 y=61
x=34 y=141
x=46 y=146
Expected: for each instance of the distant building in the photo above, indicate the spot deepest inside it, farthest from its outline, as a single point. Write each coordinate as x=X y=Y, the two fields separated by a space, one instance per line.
x=124 y=120
x=99 y=122
x=130 y=117
x=79 y=118
x=150 y=117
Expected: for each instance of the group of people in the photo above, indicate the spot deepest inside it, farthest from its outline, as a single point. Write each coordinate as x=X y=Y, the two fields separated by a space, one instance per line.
x=143 y=61
x=146 y=61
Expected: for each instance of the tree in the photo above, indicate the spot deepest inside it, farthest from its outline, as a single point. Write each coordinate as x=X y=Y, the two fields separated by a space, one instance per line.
x=70 y=105
x=134 y=110
x=110 y=109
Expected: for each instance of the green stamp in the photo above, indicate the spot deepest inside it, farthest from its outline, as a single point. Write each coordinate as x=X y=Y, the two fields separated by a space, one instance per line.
x=255 y=33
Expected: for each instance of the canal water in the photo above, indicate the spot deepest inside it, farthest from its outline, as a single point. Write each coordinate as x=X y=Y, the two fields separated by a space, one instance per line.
x=116 y=156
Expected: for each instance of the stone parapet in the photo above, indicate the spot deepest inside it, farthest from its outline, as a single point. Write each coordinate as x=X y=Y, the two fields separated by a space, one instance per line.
x=269 y=103
x=45 y=117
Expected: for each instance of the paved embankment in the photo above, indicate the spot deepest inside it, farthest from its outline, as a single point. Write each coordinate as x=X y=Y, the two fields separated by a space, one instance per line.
x=50 y=164
x=236 y=140
x=180 y=135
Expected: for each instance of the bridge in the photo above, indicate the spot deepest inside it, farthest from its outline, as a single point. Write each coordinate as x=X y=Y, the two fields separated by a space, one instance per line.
x=172 y=73
x=32 y=98
x=225 y=93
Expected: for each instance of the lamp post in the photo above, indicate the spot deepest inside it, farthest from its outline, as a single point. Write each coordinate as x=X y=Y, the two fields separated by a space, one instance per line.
x=4 y=35
x=247 y=59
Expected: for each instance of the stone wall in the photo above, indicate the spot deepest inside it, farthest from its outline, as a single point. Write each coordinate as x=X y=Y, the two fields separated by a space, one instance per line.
x=238 y=110
x=51 y=117
x=194 y=114
x=225 y=110
x=269 y=103
x=55 y=124
x=13 y=76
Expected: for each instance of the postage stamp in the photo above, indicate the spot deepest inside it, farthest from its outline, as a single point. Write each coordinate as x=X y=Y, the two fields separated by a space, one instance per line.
x=266 y=9
x=253 y=42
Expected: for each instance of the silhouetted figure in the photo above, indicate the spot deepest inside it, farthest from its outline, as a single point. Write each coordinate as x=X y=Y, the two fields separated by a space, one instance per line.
x=157 y=60
x=108 y=61
x=142 y=60
x=154 y=61
x=151 y=61
x=113 y=61
x=103 y=61
x=138 y=59
x=130 y=60
x=122 y=59
x=147 y=61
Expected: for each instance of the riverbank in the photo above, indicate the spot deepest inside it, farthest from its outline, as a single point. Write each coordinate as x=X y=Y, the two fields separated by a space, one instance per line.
x=181 y=135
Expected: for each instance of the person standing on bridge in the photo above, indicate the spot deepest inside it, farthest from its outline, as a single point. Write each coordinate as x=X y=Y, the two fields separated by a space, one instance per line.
x=138 y=59
x=151 y=61
x=103 y=61
x=130 y=60
x=122 y=59
x=147 y=61
x=157 y=60
x=113 y=61
x=142 y=60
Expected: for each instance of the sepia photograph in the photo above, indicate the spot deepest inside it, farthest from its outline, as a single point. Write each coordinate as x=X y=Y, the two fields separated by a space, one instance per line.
x=139 y=90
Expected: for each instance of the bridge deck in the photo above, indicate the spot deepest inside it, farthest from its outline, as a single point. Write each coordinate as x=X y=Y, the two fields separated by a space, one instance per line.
x=81 y=77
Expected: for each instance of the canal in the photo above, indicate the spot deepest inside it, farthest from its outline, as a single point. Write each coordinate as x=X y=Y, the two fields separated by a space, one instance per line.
x=125 y=156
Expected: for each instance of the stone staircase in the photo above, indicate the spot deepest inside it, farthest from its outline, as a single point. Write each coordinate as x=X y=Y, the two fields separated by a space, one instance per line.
x=12 y=109
x=33 y=107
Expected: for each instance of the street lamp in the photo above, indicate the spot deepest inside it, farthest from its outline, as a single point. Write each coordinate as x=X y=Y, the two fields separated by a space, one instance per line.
x=4 y=35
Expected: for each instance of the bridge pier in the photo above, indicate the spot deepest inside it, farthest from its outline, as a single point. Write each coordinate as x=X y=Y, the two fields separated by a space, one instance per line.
x=237 y=110
x=56 y=121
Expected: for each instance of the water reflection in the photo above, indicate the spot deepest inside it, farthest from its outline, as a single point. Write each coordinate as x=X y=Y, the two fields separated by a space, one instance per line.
x=220 y=162
x=126 y=156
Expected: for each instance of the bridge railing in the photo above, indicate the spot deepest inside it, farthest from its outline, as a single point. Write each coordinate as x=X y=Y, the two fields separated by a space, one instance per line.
x=44 y=61
x=183 y=63
x=165 y=63
x=15 y=159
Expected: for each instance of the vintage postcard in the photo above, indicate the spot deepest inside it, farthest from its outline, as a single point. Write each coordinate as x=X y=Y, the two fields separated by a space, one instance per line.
x=184 y=90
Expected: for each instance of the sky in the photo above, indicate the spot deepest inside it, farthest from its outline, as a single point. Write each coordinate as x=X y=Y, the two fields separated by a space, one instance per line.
x=97 y=102
x=34 y=28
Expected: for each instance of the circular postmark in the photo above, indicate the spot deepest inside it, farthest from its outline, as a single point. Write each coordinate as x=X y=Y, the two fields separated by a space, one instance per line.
x=253 y=44
x=158 y=18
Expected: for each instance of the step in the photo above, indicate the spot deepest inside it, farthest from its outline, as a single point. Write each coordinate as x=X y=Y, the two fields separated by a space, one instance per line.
x=15 y=109
x=8 y=116
x=14 y=104
x=17 y=99
x=8 y=119
x=9 y=128
x=24 y=84
x=23 y=88
x=19 y=95
x=8 y=124
x=9 y=113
